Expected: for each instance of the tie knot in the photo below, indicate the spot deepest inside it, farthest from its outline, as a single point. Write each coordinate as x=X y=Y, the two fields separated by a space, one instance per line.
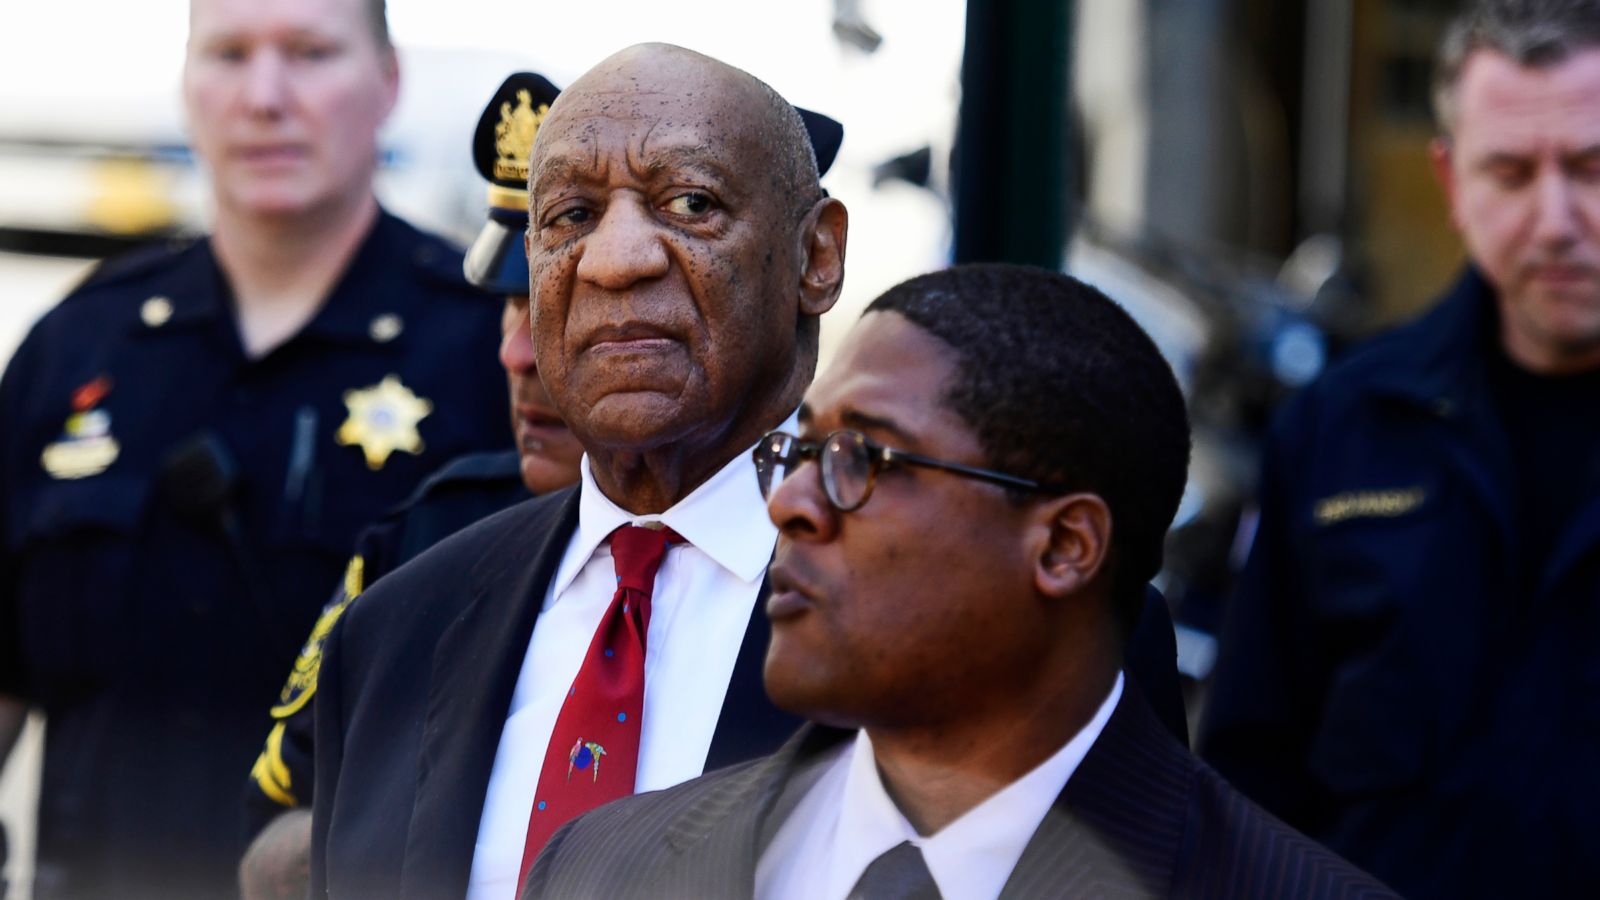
x=900 y=873
x=636 y=553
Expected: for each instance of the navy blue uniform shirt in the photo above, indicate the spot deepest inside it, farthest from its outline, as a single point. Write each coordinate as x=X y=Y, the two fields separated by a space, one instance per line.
x=1405 y=675
x=175 y=514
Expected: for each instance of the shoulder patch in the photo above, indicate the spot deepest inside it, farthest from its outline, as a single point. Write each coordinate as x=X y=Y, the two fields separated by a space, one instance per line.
x=302 y=684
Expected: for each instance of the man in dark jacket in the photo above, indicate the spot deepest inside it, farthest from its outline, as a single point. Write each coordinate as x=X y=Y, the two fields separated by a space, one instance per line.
x=978 y=493
x=1409 y=669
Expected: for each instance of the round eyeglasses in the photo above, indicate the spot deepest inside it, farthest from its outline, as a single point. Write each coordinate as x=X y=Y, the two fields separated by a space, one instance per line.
x=850 y=464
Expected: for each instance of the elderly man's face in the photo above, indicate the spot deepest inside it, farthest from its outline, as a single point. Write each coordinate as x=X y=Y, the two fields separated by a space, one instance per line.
x=284 y=100
x=1522 y=172
x=920 y=604
x=663 y=257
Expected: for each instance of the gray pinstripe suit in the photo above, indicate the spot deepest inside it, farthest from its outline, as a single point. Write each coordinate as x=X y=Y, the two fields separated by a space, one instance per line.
x=1141 y=817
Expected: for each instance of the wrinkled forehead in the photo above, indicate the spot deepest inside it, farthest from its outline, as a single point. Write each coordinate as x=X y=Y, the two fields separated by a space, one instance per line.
x=648 y=118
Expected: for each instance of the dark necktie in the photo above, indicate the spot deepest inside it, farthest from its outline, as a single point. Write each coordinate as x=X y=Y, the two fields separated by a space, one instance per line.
x=899 y=874
x=593 y=756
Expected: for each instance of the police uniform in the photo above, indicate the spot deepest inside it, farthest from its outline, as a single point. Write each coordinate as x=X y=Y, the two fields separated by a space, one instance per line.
x=465 y=490
x=175 y=513
x=1410 y=671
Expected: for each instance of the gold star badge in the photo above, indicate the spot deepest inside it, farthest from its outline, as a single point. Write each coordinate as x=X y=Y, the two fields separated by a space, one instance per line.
x=383 y=419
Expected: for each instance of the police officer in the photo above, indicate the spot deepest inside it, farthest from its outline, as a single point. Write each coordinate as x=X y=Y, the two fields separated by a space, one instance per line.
x=465 y=490
x=1410 y=671
x=194 y=436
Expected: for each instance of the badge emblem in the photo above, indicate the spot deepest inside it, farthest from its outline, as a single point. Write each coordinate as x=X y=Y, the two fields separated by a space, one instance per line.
x=383 y=419
x=514 y=134
x=585 y=754
x=86 y=446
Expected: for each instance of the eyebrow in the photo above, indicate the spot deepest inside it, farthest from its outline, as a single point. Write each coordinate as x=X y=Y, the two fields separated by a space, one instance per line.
x=579 y=167
x=860 y=421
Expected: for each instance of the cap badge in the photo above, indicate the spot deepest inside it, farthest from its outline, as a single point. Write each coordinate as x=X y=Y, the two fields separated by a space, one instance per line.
x=86 y=446
x=513 y=136
x=383 y=419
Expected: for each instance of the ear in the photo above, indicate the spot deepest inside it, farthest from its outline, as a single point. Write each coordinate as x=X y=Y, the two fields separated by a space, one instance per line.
x=389 y=60
x=1442 y=161
x=1075 y=543
x=822 y=236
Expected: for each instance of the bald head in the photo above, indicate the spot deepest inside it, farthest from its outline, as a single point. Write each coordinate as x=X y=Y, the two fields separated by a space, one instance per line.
x=645 y=79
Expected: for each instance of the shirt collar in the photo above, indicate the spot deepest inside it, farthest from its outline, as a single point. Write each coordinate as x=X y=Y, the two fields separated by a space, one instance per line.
x=725 y=517
x=974 y=855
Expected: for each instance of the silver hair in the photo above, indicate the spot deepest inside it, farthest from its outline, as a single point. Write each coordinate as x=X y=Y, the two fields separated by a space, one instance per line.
x=1533 y=33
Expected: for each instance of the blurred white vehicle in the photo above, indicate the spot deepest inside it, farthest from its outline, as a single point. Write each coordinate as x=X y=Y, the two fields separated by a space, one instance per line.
x=87 y=162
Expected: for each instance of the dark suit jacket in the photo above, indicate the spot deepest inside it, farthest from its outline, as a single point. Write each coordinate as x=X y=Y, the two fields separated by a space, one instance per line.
x=417 y=677
x=1141 y=817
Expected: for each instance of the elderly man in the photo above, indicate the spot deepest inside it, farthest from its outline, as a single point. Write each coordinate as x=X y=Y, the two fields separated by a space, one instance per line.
x=967 y=519
x=1409 y=669
x=194 y=436
x=592 y=643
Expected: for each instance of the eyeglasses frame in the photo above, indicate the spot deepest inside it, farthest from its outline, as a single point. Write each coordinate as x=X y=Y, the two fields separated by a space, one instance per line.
x=880 y=457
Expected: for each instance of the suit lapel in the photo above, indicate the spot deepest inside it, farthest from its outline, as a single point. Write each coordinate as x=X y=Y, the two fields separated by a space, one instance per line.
x=749 y=724
x=1118 y=826
x=722 y=834
x=475 y=669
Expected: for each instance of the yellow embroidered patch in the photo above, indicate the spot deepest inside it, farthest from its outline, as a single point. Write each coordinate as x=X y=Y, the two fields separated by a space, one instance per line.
x=1367 y=505
x=270 y=774
x=302 y=682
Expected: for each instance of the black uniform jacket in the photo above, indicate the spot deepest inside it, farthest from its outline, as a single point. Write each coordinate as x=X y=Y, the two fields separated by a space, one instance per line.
x=1140 y=817
x=419 y=672
x=1388 y=682
x=467 y=489
x=173 y=514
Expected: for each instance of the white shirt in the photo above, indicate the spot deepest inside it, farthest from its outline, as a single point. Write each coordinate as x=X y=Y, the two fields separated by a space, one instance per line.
x=704 y=594
x=847 y=820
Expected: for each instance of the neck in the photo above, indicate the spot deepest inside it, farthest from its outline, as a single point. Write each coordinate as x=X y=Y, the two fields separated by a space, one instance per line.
x=282 y=269
x=936 y=775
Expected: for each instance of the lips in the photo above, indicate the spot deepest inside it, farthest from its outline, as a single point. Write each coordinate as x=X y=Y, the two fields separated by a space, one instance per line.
x=271 y=155
x=790 y=597
x=1560 y=273
x=630 y=337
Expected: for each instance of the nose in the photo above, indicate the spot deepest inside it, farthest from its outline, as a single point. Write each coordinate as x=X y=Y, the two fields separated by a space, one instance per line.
x=516 y=347
x=1556 y=216
x=800 y=508
x=266 y=88
x=624 y=248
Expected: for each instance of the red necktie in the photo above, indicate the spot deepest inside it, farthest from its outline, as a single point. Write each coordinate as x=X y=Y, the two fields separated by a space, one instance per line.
x=593 y=755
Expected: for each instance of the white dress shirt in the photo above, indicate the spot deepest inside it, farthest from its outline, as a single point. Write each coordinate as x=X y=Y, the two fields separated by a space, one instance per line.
x=847 y=820
x=704 y=594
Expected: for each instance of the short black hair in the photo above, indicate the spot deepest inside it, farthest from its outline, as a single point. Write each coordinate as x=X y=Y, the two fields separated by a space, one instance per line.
x=1533 y=33
x=1060 y=385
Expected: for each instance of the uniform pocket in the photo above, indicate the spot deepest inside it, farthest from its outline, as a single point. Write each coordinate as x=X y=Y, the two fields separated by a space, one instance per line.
x=74 y=546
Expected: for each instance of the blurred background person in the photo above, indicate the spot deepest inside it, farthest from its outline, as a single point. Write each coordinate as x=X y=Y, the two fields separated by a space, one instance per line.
x=466 y=489
x=195 y=434
x=1409 y=668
